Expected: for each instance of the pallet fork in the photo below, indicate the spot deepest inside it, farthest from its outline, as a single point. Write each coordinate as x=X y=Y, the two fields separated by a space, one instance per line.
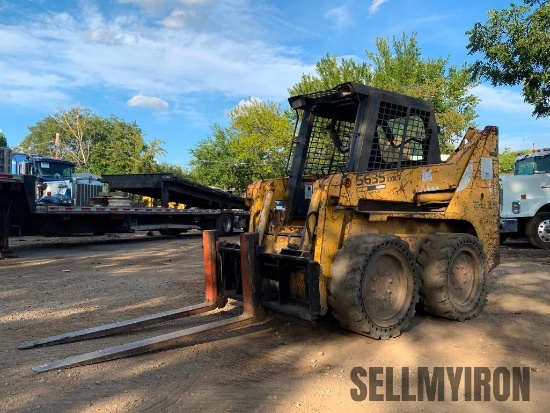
x=253 y=313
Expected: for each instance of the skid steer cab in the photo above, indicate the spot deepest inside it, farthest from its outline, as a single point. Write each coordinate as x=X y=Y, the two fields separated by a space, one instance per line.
x=368 y=222
x=369 y=219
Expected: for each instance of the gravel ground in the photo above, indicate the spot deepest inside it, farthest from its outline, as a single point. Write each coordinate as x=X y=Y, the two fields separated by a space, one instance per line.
x=285 y=365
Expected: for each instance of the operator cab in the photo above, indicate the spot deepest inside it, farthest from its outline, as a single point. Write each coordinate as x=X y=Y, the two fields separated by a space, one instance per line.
x=356 y=128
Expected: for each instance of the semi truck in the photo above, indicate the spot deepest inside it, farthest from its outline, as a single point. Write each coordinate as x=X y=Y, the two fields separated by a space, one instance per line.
x=42 y=195
x=525 y=199
x=56 y=180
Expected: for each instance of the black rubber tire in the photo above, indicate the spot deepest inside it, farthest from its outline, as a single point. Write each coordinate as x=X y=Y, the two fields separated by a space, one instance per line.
x=225 y=224
x=363 y=293
x=453 y=268
x=537 y=230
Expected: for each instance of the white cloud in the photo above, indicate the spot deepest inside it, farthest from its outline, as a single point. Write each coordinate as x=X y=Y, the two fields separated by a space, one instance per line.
x=501 y=101
x=103 y=35
x=375 y=5
x=60 y=55
x=179 y=19
x=148 y=102
x=339 y=17
x=156 y=6
x=249 y=102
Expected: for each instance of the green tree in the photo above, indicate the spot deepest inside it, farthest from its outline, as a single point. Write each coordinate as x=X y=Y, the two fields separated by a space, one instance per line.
x=514 y=43
x=74 y=124
x=100 y=145
x=168 y=168
x=41 y=138
x=214 y=162
x=332 y=72
x=119 y=147
x=398 y=65
x=506 y=160
x=262 y=136
x=3 y=140
x=254 y=145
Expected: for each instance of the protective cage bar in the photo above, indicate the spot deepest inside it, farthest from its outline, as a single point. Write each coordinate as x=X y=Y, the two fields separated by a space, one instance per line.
x=323 y=157
x=252 y=313
x=402 y=137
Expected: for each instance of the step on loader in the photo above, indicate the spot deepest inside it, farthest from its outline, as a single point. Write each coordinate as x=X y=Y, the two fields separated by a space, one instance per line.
x=368 y=223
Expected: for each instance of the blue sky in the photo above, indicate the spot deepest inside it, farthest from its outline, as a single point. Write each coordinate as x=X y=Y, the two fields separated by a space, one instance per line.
x=176 y=67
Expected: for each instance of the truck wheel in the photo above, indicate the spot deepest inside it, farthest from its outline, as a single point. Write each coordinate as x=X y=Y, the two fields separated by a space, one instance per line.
x=537 y=230
x=374 y=285
x=454 y=272
x=225 y=224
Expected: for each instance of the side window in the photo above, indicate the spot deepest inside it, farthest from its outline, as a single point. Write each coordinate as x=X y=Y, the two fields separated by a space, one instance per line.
x=542 y=165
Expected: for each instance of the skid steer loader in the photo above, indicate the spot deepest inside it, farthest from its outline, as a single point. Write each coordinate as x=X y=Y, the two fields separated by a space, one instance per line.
x=370 y=219
x=368 y=222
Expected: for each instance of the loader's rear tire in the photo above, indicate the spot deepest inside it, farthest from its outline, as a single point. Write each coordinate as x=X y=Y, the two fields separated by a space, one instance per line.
x=537 y=230
x=374 y=285
x=453 y=269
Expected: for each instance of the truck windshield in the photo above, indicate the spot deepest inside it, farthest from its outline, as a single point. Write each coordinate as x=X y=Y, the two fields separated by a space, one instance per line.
x=49 y=168
x=530 y=166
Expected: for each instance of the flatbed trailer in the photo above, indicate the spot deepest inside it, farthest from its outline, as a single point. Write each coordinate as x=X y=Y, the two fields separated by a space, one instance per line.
x=170 y=221
x=209 y=209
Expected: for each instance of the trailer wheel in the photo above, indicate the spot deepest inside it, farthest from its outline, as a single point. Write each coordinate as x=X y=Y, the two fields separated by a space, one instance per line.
x=374 y=285
x=537 y=230
x=225 y=224
x=454 y=272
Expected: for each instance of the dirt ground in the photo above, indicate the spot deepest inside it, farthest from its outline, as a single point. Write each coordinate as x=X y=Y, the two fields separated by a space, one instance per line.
x=284 y=365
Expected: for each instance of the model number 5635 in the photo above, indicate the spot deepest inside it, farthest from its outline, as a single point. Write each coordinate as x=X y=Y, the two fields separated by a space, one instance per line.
x=370 y=179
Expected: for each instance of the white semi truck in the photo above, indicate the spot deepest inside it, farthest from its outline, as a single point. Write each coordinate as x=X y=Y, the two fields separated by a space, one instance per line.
x=525 y=199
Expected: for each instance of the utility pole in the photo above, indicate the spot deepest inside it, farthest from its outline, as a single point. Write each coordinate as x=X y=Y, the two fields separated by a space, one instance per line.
x=57 y=142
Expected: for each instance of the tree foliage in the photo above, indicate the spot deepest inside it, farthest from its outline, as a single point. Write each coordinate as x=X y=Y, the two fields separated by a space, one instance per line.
x=254 y=145
x=3 y=140
x=100 y=145
x=119 y=147
x=514 y=43
x=398 y=66
x=77 y=142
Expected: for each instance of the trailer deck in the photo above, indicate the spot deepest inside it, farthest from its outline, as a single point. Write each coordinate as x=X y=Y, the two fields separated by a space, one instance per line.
x=169 y=188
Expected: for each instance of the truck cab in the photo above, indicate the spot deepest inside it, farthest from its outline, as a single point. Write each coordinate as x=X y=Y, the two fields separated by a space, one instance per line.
x=56 y=179
x=525 y=199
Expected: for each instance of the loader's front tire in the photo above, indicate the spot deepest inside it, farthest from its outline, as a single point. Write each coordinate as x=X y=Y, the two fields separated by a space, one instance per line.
x=374 y=285
x=453 y=269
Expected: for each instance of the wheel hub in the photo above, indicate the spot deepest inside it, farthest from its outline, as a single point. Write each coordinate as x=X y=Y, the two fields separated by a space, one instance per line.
x=385 y=291
x=544 y=230
x=383 y=287
x=462 y=278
